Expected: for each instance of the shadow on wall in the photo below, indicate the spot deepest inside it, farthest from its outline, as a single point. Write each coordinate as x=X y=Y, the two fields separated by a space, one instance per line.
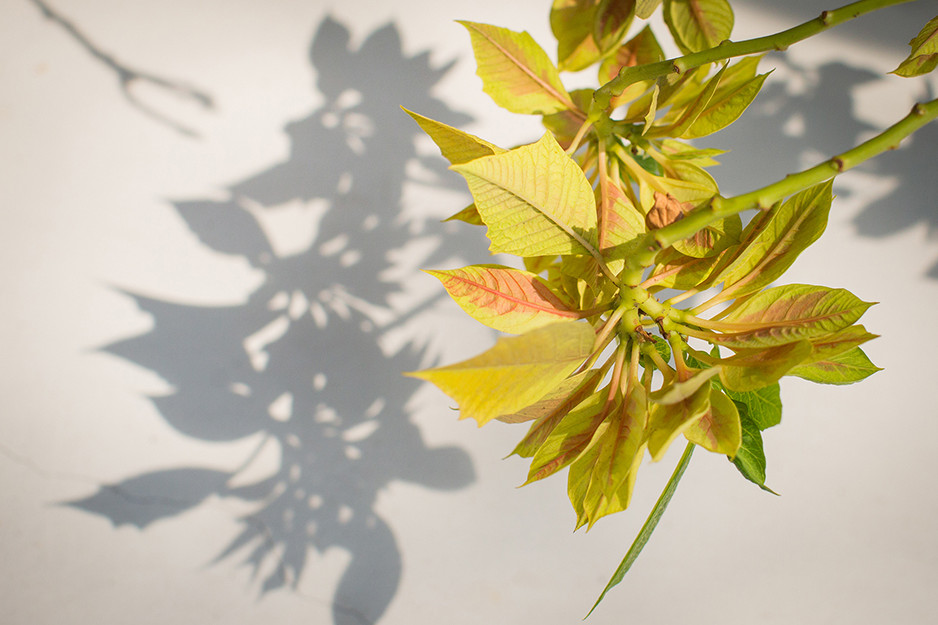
x=797 y=130
x=304 y=363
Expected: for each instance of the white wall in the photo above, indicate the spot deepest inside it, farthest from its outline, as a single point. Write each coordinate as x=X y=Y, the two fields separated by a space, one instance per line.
x=159 y=257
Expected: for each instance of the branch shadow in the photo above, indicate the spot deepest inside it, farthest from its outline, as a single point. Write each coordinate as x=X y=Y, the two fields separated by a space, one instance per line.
x=303 y=364
x=794 y=130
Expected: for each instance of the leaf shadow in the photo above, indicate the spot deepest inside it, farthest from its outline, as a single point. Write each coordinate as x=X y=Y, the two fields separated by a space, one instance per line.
x=791 y=129
x=304 y=365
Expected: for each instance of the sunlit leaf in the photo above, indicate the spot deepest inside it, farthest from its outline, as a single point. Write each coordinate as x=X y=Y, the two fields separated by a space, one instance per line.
x=570 y=437
x=719 y=429
x=455 y=145
x=698 y=24
x=790 y=313
x=786 y=232
x=830 y=345
x=515 y=71
x=619 y=222
x=683 y=115
x=724 y=108
x=844 y=368
x=507 y=299
x=610 y=463
x=751 y=369
x=515 y=373
x=924 y=55
x=550 y=409
x=710 y=241
x=534 y=199
x=679 y=391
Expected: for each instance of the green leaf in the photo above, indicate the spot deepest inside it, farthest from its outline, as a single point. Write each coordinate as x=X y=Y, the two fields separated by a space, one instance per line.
x=455 y=145
x=698 y=24
x=644 y=8
x=719 y=429
x=573 y=22
x=786 y=232
x=679 y=391
x=712 y=240
x=515 y=373
x=620 y=223
x=762 y=405
x=683 y=115
x=724 y=108
x=509 y=300
x=667 y=421
x=516 y=72
x=752 y=369
x=924 y=55
x=790 y=313
x=535 y=200
x=676 y=271
x=569 y=438
x=750 y=459
x=845 y=368
x=825 y=347
x=650 y=524
x=470 y=215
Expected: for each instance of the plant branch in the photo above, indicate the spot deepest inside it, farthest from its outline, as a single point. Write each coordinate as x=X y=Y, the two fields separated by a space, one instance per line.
x=719 y=207
x=603 y=96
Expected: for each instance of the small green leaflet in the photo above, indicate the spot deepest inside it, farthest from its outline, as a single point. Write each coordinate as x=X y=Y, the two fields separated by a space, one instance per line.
x=750 y=459
x=924 y=55
x=845 y=368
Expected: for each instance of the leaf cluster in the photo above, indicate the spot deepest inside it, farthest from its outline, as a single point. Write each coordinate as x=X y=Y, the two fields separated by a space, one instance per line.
x=609 y=211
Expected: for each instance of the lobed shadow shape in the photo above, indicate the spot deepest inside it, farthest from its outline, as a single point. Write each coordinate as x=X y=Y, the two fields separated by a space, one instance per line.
x=828 y=125
x=299 y=363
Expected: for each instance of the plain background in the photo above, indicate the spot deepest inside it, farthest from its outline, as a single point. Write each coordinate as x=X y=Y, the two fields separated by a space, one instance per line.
x=214 y=219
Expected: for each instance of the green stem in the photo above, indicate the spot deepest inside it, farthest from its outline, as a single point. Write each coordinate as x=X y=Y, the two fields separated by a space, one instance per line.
x=719 y=207
x=650 y=524
x=729 y=49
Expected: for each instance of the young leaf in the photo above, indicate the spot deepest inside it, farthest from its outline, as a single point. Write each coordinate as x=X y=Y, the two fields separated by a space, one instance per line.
x=641 y=49
x=572 y=23
x=786 y=232
x=924 y=55
x=569 y=438
x=667 y=421
x=752 y=369
x=515 y=373
x=455 y=145
x=719 y=429
x=790 y=313
x=611 y=22
x=724 y=108
x=609 y=462
x=550 y=409
x=845 y=368
x=826 y=347
x=620 y=223
x=566 y=124
x=509 y=300
x=470 y=215
x=750 y=459
x=762 y=405
x=516 y=72
x=548 y=210
x=698 y=24
x=644 y=8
